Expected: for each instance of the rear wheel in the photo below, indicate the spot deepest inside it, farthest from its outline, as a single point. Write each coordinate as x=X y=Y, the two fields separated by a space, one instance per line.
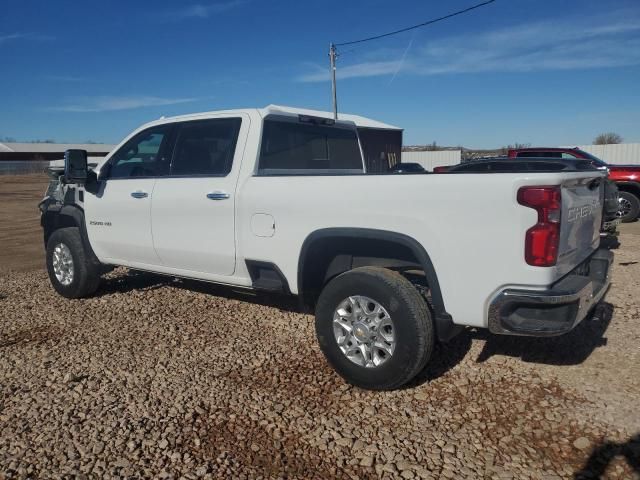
x=629 y=207
x=374 y=328
x=71 y=271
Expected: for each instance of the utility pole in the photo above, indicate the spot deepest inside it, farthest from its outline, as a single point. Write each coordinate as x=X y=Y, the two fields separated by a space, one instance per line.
x=332 y=60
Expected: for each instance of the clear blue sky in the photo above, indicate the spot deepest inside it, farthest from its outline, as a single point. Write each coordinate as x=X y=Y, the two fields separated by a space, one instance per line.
x=551 y=72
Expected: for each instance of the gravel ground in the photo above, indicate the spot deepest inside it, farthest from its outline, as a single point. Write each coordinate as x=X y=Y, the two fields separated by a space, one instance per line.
x=156 y=377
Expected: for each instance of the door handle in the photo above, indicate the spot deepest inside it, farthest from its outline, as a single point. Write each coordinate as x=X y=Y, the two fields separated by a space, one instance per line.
x=217 y=195
x=139 y=194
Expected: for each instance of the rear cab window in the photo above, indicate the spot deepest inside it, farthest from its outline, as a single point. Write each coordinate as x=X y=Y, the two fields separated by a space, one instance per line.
x=539 y=154
x=308 y=146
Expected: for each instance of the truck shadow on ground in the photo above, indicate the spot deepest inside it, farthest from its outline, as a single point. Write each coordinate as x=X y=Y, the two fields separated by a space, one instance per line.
x=571 y=348
x=444 y=357
x=610 y=242
x=604 y=454
x=127 y=281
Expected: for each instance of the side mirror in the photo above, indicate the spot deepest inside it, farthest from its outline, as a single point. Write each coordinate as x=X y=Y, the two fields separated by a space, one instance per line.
x=75 y=166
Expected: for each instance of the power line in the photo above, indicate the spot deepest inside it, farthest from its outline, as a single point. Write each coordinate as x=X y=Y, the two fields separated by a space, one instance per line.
x=459 y=12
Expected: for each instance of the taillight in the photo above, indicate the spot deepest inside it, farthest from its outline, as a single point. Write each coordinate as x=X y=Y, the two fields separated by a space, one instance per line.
x=542 y=240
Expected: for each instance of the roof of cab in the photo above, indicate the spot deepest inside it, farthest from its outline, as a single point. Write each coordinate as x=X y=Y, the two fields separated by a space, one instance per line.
x=361 y=122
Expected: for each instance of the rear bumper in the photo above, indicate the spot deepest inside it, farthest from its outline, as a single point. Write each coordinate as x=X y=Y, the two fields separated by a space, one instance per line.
x=557 y=310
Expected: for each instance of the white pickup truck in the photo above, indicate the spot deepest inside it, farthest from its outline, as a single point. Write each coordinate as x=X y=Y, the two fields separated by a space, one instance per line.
x=282 y=200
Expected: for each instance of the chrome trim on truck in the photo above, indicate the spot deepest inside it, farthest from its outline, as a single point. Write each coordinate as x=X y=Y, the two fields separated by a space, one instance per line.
x=556 y=310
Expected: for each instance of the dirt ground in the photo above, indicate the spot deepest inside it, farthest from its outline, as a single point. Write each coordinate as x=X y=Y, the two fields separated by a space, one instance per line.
x=20 y=232
x=160 y=378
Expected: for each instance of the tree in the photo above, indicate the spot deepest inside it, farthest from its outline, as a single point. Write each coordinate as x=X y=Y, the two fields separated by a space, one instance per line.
x=607 y=138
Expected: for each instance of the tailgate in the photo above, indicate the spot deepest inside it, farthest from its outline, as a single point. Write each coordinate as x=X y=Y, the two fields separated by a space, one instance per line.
x=581 y=220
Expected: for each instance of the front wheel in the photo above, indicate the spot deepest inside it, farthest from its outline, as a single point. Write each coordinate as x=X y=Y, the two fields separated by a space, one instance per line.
x=374 y=328
x=71 y=271
x=629 y=207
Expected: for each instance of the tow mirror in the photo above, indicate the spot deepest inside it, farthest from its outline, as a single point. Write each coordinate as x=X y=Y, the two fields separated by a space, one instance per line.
x=75 y=166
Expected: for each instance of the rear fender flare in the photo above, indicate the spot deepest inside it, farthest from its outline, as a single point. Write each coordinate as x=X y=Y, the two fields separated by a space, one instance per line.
x=445 y=327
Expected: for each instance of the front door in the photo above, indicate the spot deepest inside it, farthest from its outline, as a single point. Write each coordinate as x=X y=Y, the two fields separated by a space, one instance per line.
x=193 y=208
x=118 y=217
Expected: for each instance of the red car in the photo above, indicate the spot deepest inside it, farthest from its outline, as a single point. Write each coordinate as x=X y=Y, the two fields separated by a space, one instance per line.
x=626 y=177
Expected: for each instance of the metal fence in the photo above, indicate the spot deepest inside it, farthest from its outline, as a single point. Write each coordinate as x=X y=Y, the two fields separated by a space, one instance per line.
x=619 y=154
x=20 y=167
x=429 y=160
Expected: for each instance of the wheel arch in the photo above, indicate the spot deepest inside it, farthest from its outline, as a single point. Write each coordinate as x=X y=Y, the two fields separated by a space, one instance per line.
x=631 y=187
x=328 y=252
x=64 y=217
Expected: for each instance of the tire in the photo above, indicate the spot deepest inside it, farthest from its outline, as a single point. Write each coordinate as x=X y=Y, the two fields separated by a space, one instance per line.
x=85 y=273
x=412 y=327
x=632 y=207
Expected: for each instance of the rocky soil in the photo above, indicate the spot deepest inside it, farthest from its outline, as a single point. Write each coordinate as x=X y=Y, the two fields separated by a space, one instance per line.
x=155 y=377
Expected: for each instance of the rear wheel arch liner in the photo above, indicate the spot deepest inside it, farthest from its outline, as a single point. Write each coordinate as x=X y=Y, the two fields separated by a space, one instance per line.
x=445 y=327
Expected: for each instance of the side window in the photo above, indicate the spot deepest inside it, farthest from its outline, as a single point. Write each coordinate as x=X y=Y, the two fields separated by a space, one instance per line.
x=532 y=154
x=142 y=155
x=473 y=167
x=291 y=147
x=205 y=147
x=568 y=155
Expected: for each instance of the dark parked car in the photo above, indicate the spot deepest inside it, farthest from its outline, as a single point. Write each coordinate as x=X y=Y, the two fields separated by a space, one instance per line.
x=626 y=177
x=407 y=168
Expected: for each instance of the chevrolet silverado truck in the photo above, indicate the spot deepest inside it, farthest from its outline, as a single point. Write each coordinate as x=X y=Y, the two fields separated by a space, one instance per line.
x=626 y=177
x=278 y=200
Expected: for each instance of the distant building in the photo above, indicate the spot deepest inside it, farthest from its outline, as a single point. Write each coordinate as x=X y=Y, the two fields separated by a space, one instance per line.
x=48 y=151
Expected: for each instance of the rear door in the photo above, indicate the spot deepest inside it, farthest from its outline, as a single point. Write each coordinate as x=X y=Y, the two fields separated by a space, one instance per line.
x=582 y=200
x=193 y=208
x=118 y=217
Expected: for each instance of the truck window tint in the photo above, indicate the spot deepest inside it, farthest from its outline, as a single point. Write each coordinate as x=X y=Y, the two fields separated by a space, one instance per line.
x=540 y=154
x=288 y=147
x=205 y=147
x=140 y=156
